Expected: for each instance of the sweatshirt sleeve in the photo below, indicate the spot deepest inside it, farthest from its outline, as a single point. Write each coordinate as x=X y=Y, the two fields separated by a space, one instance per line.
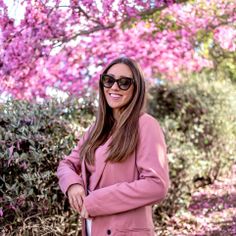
x=69 y=168
x=152 y=185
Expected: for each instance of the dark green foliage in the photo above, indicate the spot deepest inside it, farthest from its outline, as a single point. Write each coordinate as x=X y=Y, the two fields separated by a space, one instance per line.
x=199 y=119
x=33 y=138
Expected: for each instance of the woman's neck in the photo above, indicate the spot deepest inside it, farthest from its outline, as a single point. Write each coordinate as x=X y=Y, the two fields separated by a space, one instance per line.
x=116 y=114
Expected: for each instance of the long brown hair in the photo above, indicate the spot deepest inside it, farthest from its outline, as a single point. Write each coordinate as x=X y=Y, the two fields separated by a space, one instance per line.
x=125 y=133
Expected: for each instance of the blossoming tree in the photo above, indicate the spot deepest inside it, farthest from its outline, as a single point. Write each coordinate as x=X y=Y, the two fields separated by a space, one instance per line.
x=64 y=44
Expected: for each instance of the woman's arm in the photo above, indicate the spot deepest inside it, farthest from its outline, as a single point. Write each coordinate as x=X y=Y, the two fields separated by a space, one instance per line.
x=152 y=185
x=69 y=168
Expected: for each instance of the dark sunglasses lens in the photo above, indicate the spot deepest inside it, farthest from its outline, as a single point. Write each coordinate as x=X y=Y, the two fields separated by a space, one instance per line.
x=107 y=81
x=124 y=83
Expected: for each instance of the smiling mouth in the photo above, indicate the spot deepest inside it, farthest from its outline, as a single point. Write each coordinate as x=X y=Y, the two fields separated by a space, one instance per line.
x=113 y=95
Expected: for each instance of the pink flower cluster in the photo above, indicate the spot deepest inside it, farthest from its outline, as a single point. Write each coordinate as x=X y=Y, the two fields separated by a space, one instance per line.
x=226 y=37
x=66 y=46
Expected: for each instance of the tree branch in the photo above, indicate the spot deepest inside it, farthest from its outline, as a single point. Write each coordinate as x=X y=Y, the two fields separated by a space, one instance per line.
x=83 y=32
x=112 y=25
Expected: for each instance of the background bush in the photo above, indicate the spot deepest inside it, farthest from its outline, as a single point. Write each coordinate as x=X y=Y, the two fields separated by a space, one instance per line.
x=198 y=118
x=34 y=137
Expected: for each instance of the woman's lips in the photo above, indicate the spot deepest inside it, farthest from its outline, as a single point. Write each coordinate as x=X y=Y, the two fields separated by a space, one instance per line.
x=115 y=96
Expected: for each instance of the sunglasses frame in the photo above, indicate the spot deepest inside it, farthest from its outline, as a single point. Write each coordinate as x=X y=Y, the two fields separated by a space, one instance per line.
x=116 y=81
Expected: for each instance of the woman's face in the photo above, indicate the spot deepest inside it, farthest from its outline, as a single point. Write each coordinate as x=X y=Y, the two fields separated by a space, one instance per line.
x=115 y=97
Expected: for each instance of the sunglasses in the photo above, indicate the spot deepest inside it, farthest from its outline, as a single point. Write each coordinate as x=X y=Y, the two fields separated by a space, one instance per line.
x=123 y=82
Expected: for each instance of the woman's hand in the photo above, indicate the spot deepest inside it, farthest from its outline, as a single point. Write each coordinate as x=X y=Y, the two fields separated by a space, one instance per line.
x=84 y=212
x=76 y=196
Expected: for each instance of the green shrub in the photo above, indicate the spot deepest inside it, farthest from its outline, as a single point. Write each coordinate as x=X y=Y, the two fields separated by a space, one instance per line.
x=33 y=138
x=199 y=119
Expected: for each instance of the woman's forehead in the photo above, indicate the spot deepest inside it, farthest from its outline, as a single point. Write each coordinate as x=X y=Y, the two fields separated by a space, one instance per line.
x=120 y=69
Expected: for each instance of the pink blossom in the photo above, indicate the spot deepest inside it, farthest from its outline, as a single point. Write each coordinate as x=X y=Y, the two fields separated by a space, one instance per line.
x=226 y=37
x=10 y=154
x=65 y=47
x=1 y=212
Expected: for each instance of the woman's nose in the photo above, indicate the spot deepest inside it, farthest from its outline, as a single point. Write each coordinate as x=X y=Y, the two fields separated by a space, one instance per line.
x=115 y=86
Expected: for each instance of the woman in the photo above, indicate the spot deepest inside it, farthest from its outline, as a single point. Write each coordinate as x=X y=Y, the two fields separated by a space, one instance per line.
x=119 y=168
